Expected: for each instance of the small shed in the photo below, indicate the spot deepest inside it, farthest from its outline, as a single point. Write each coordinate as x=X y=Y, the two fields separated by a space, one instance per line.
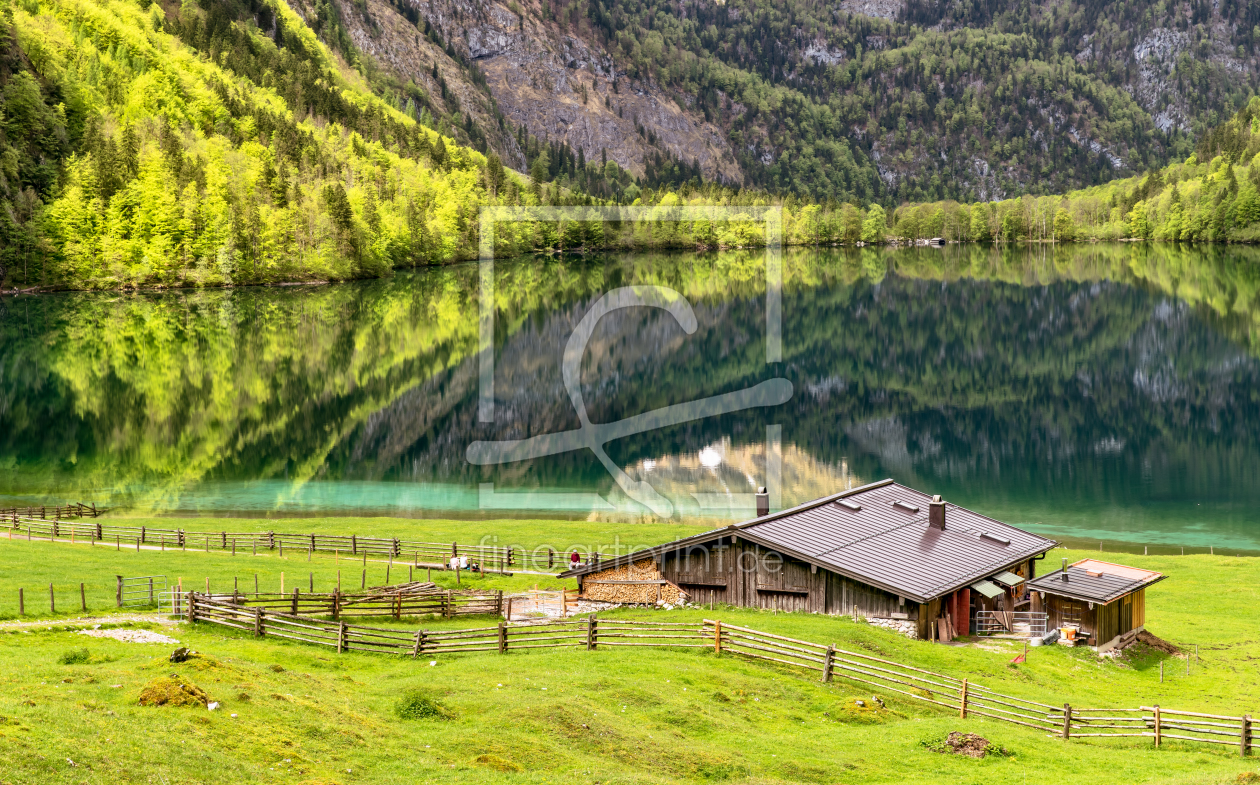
x=1102 y=600
x=883 y=552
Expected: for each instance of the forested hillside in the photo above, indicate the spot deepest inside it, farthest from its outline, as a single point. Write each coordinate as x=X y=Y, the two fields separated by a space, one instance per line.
x=1213 y=196
x=134 y=154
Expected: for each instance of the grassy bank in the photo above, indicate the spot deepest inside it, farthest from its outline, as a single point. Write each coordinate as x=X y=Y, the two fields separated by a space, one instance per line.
x=526 y=534
x=307 y=714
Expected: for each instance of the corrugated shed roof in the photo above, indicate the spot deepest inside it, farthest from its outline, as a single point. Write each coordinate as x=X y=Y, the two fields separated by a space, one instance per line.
x=1094 y=581
x=885 y=544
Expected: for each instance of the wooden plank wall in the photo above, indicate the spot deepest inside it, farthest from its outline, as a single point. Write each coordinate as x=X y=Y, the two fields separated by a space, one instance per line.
x=747 y=575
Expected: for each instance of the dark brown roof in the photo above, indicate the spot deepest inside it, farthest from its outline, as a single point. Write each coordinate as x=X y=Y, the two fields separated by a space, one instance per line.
x=890 y=547
x=1094 y=581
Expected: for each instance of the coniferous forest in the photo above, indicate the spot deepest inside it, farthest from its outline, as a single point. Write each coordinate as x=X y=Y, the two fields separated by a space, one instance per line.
x=148 y=144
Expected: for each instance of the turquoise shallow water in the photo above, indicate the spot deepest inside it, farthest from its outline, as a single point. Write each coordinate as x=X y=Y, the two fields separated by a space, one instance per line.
x=1092 y=393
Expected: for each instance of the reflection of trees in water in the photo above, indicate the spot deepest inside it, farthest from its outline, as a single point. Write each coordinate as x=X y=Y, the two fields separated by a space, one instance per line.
x=924 y=361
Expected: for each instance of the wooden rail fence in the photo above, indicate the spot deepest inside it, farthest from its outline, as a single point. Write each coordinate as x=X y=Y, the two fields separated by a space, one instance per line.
x=952 y=693
x=489 y=558
x=586 y=633
x=75 y=510
x=401 y=600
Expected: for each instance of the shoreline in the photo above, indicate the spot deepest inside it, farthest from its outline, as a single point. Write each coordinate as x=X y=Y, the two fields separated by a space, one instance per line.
x=891 y=244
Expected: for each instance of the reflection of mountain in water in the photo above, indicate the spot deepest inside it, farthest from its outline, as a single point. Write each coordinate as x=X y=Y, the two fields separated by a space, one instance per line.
x=1071 y=383
x=721 y=478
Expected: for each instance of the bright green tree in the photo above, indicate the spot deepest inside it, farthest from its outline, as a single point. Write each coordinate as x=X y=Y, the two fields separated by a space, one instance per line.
x=875 y=227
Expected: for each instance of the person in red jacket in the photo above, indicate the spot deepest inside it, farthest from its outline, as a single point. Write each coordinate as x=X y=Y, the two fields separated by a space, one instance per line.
x=574 y=561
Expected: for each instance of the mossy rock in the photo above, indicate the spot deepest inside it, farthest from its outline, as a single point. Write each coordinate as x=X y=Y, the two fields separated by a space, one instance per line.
x=172 y=691
x=861 y=710
x=496 y=763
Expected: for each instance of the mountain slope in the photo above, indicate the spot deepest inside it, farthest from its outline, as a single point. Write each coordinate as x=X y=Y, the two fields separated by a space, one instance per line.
x=973 y=101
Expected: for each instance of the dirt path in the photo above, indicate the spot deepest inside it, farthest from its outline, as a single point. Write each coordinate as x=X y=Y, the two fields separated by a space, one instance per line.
x=109 y=619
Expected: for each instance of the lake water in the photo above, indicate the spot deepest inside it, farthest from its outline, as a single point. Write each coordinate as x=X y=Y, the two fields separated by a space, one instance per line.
x=1088 y=392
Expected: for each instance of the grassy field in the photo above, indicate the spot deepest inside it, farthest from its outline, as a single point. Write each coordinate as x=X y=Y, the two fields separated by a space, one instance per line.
x=308 y=715
x=36 y=564
x=526 y=534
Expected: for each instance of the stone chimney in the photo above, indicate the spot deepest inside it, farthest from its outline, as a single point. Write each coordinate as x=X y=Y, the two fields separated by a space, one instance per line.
x=936 y=513
x=763 y=502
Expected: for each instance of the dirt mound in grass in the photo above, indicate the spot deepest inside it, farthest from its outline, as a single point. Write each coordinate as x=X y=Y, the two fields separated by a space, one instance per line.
x=970 y=745
x=496 y=763
x=173 y=691
x=1157 y=643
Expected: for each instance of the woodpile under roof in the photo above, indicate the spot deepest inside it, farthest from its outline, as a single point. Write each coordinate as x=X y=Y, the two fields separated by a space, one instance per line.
x=638 y=583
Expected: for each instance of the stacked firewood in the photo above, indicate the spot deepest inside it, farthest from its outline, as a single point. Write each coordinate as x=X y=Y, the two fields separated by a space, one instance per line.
x=620 y=584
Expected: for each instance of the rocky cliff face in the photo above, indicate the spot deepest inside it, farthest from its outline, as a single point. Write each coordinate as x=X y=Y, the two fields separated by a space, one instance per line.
x=555 y=85
x=399 y=47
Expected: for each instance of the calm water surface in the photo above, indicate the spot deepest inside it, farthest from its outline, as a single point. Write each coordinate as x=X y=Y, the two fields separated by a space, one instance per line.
x=1093 y=392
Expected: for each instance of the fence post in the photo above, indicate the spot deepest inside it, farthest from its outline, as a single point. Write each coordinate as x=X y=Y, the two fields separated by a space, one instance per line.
x=1158 y=729
x=52 y=599
x=337 y=604
x=502 y=637
x=150 y=591
x=295 y=602
x=341 y=636
x=1067 y=721
x=962 y=701
x=717 y=637
x=258 y=622
x=142 y=534
x=354 y=544
x=192 y=607
x=415 y=651
x=498 y=603
x=592 y=632
x=21 y=602
x=828 y=660
x=120 y=591
x=1243 y=736
x=83 y=597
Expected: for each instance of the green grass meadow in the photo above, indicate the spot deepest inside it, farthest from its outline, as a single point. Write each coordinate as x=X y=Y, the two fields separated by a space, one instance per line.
x=306 y=714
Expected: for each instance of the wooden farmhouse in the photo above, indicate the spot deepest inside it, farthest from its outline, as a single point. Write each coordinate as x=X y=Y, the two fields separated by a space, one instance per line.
x=1102 y=602
x=884 y=552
